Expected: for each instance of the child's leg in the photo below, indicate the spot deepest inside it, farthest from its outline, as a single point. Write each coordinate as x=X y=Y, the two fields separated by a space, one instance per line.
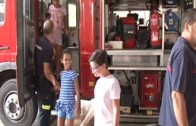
x=61 y=118
x=60 y=121
x=70 y=118
x=70 y=122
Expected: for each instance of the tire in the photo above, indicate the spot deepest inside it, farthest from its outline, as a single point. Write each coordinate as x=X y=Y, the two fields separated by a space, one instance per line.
x=11 y=113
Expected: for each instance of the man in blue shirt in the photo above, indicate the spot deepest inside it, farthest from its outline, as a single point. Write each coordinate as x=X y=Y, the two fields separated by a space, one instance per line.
x=179 y=93
x=45 y=80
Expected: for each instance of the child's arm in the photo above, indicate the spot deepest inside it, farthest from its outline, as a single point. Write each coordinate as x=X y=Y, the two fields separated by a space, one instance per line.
x=77 y=91
x=116 y=110
x=89 y=115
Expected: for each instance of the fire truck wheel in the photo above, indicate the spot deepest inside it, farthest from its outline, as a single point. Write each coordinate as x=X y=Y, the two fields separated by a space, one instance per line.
x=11 y=113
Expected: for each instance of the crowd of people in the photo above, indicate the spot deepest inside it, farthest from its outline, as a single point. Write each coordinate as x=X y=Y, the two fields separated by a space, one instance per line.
x=54 y=74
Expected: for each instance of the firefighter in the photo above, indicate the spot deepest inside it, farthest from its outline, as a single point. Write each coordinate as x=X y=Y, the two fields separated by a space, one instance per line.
x=179 y=93
x=45 y=80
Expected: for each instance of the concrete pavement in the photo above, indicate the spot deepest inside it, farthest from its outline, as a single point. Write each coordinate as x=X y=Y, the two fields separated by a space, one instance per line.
x=84 y=109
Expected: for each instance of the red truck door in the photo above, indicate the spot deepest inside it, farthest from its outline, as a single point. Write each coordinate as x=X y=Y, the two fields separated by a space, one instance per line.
x=7 y=18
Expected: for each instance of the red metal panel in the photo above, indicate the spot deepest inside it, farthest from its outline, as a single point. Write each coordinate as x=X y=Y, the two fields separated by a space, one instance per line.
x=150 y=89
x=8 y=33
x=87 y=45
x=101 y=4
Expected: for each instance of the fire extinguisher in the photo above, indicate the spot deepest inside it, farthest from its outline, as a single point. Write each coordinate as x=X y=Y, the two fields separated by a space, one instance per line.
x=155 y=29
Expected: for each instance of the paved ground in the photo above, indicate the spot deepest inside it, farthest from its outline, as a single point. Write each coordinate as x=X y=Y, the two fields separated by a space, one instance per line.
x=78 y=122
x=84 y=105
x=84 y=109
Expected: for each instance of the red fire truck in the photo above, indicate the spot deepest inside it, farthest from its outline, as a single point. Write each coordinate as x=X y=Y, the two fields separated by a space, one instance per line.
x=139 y=65
x=17 y=38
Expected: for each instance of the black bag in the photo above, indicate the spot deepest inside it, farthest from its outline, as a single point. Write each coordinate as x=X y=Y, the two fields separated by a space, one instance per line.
x=143 y=38
x=65 y=40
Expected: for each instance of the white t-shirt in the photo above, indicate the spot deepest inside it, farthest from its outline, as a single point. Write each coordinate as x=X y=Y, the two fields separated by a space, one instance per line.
x=106 y=89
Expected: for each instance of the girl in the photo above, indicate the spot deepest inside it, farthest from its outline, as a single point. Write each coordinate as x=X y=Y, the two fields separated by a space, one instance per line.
x=67 y=104
x=57 y=15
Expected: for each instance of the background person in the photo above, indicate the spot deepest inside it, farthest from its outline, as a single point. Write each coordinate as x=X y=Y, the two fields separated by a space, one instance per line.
x=57 y=14
x=179 y=93
x=106 y=104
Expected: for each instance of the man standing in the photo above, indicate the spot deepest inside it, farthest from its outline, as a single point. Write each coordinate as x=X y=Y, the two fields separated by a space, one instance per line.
x=46 y=82
x=179 y=93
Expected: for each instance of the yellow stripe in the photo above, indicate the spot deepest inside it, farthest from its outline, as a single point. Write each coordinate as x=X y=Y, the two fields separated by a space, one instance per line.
x=46 y=107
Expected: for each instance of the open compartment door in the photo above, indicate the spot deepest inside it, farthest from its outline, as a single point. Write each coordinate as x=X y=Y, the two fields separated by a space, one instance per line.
x=25 y=49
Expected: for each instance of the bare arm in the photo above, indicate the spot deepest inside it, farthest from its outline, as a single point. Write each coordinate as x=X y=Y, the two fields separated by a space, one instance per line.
x=179 y=108
x=77 y=97
x=66 y=25
x=88 y=117
x=65 y=22
x=116 y=110
x=48 y=74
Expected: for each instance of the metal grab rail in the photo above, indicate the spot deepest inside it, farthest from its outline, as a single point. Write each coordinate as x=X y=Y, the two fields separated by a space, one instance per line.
x=4 y=48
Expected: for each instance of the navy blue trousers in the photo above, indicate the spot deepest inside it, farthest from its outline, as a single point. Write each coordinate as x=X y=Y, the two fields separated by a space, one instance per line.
x=45 y=104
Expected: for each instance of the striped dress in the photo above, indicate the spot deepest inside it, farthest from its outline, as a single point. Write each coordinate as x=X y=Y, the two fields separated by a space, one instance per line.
x=66 y=101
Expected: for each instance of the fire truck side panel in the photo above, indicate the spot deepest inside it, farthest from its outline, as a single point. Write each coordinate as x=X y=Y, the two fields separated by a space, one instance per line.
x=101 y=24
x=87 y=46
x=7 y=34
x=8 y=43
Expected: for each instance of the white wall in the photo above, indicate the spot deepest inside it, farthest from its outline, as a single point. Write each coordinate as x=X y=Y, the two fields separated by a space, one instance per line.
x=63 y=2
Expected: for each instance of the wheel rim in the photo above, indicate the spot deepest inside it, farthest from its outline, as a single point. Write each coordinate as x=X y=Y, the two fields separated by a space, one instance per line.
x=12 y=108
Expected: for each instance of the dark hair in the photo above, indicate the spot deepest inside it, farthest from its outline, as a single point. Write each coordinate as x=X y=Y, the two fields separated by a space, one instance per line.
x=47 y=15
x=48 y=27
x=66 y=51
x=100 y=57
x=189 y=17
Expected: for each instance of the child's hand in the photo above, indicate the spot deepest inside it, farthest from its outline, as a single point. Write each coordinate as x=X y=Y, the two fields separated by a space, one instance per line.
x=57 y=87
x=77 y=112
x=82 y=124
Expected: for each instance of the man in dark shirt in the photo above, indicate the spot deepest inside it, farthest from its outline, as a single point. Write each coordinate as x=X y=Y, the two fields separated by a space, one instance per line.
x=46 y=82
x=179 y=93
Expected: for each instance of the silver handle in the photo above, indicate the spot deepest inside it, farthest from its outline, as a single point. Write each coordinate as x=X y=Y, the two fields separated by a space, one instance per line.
x=4 y=48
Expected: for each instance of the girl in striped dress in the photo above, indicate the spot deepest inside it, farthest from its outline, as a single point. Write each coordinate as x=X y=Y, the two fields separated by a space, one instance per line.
x=68 y=105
